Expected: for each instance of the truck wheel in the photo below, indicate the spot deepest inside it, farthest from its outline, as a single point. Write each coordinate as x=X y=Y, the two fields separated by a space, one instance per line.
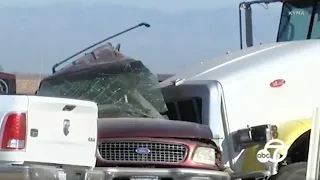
x=295 y=171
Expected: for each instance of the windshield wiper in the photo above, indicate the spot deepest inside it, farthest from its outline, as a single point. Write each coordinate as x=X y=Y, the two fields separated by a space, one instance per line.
x=151 y=110
x=138 y=113
x=118 y=108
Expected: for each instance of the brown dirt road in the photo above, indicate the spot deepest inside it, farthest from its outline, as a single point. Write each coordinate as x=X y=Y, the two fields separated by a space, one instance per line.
x=27 y=83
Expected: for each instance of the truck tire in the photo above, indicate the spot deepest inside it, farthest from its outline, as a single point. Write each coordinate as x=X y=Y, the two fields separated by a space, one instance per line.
x=295 y=171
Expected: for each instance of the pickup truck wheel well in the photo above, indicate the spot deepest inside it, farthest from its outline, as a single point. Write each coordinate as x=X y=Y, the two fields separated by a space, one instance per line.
x=298 y=151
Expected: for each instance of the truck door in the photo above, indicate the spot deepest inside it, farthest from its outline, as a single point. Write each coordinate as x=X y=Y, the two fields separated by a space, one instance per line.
x=202 y=101
x=196 y=101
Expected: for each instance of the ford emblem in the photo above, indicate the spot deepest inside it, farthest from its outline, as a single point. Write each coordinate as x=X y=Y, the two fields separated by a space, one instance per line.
x=142 y=150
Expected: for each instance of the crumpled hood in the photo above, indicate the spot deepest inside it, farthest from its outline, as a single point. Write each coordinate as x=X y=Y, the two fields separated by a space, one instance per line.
x=149 y=127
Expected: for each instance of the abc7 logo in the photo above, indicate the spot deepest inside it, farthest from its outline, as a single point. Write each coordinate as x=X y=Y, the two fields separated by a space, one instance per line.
x=264 y=155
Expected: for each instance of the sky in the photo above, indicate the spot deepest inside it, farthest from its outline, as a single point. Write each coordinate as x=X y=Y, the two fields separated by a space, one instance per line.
x=163 y=5
x=183 y=33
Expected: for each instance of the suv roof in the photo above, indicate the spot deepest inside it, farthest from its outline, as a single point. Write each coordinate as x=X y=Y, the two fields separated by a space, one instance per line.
x=7 y=75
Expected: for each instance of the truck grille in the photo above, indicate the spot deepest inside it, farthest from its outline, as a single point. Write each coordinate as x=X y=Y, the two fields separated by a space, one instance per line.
x=157 y=152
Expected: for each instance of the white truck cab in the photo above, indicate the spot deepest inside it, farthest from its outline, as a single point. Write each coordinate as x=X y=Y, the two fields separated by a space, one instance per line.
x=265 y=85
x=38 y=131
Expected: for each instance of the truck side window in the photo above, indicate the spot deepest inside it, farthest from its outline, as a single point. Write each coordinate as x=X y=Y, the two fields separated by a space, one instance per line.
x=185 y=110
x=295 y=21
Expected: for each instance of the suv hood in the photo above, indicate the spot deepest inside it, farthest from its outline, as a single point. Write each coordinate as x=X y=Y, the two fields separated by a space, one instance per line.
x=150 y=127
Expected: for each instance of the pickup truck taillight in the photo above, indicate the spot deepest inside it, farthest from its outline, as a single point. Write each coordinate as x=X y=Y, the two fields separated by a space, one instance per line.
x=13 y=132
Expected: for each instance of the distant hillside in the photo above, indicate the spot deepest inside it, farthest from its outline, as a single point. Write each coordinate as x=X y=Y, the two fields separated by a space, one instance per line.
x=33 y=39
x=29 y=82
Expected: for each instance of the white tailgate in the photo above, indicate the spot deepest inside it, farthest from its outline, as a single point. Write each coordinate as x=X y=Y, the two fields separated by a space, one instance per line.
x=48 y=142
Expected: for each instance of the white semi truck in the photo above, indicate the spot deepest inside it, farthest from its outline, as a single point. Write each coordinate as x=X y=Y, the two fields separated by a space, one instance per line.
x=273 y=87
x=46 y=138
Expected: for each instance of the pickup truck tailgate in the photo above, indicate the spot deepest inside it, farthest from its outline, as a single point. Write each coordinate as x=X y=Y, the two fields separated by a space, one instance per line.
x=61 y=131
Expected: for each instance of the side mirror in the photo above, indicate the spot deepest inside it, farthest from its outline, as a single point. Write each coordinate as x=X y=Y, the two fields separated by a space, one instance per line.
x=256 y=135
x=247 y=25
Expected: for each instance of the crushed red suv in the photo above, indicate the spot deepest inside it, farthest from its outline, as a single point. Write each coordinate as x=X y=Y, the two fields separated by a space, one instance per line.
x=135 y=139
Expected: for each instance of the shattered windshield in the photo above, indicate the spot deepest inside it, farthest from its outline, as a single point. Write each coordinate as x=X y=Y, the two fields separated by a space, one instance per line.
x=121 y=89
x=299 y=20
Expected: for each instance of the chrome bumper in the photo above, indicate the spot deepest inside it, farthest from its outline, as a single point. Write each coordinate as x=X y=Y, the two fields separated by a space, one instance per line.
x=110 y=173
x=9 y=172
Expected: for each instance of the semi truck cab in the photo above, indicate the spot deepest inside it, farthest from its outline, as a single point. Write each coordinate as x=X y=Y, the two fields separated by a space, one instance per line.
x=265 y=86
x=299 y=20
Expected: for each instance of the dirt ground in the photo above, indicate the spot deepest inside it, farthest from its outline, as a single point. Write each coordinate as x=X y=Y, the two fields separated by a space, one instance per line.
x=27 y=83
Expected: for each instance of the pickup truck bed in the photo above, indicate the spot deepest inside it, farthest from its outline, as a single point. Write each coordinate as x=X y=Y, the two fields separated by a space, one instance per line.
x=36 y=129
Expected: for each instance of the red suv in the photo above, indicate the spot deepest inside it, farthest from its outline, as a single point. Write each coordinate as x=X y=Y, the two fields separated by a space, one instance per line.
x=136 y=140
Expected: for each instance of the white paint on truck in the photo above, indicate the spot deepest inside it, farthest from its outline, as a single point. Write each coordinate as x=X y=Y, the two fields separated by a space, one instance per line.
x=246 y=76
x=44 y=141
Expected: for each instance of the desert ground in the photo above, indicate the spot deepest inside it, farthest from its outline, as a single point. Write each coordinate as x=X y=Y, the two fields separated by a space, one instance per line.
x=28 y=83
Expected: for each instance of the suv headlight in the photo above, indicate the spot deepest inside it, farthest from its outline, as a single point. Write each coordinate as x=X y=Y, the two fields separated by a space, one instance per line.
x=204 y=155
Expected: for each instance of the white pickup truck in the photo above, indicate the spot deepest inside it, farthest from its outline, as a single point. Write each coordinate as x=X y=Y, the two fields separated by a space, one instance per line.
x=46 y=136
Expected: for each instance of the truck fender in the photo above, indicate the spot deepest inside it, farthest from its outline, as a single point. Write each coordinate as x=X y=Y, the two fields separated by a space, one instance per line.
x=288 y=132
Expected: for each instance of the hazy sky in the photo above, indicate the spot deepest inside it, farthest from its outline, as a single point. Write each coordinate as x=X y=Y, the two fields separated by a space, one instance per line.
x=183 y=33
x=163 y=5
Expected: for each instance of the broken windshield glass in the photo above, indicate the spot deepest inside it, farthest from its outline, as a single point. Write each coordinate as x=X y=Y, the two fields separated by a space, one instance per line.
x=121 y=89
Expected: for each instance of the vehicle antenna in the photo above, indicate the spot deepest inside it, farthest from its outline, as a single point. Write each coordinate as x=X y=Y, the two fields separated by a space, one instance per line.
x=108 y=38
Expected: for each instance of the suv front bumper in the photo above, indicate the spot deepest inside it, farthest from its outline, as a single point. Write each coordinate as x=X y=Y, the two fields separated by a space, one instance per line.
x=111 y=173
x=8 y=172
x=32 y=172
